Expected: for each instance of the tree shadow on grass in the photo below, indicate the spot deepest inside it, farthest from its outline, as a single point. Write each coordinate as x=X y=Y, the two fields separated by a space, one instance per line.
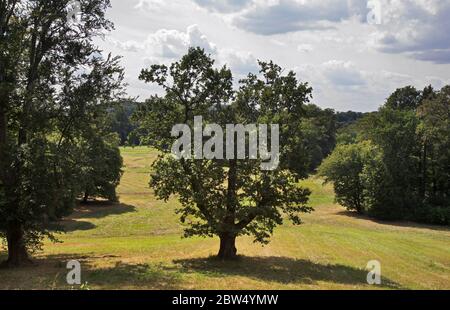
x=99 y=209
x=91 y=210
x=106 y=272
x=69 y=225
x=135 y=275
x=405 y=224
x=283 y=270
x=98 y=271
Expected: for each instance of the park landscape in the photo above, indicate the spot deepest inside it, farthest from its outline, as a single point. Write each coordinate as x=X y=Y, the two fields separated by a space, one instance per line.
x=91 y=175
x=137 y=244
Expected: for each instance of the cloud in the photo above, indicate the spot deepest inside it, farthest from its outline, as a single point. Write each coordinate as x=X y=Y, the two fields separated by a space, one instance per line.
x=416 y=28
x=305 y=48
x=268 y=17
x=165 y=46
x=240 y=63
x=223 y=6
x=168 y=44
x=344 y=86
x=149 y=5
x=334 y=73
x=342 y=73
x=436 y=56
x=126 y=46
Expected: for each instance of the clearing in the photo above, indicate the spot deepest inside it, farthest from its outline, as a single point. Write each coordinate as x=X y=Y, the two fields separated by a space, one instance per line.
x=137 y=244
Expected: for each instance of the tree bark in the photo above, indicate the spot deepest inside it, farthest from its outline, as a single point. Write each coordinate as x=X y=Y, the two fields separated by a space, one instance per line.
x=17 y=252
x=423 y=189
x=3 y=139
x=228 y=249
x=86 y=197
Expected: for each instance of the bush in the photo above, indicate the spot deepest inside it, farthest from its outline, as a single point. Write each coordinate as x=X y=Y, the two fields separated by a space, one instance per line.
x=101 y=168
x=345 y=168
x=436 y=215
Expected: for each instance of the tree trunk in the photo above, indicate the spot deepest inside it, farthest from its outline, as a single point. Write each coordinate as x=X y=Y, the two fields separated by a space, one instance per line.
x=423 y=189
x=3 y=139
x=17 y=252
x=86 y=197
x=3 y=131
x=227 y=247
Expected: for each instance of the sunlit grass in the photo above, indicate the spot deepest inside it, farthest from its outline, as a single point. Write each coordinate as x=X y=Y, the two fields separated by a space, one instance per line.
x=137 y=244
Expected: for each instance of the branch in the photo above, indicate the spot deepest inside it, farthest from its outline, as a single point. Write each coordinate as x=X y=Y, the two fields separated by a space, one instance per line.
x=196 y=188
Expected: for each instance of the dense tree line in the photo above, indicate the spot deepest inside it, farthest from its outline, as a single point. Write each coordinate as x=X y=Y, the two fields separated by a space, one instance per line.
x=322 y=125
x=343 y=119
x=121 y=122
x=55 y=88
x=395 y=163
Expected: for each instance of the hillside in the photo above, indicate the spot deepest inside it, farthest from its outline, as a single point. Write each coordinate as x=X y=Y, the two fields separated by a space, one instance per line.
x=137 y=244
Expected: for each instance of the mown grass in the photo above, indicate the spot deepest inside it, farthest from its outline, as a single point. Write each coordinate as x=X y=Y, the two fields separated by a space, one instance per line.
x=137 y=244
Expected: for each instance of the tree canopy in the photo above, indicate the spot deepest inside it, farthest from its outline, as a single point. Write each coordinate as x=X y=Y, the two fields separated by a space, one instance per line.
x=227 y=197
x=408 y=177
x=55 y=85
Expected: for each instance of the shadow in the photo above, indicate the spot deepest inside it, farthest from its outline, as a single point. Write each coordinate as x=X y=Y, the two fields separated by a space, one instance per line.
x=116 y=274
x=280 y=269
x=49 y=273
x=69 y=225
x=146 y=275
x=99 y=209
x=405 y=224
x=91 y=210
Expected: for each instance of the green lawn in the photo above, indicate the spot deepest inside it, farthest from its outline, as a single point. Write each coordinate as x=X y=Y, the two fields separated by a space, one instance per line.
x=137 y=244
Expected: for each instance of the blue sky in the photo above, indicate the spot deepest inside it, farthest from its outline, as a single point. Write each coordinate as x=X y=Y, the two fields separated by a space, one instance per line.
x=351 y=64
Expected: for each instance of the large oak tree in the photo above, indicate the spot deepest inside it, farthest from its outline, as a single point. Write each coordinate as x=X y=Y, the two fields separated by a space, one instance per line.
x=227 y=197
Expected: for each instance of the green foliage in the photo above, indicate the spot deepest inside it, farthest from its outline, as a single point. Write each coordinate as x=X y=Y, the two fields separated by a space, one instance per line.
x=121 y=123
x=318 y=127
x=409 y=177
x=345 y=167
x=394 y=131
x=406 y=98
x=434 y=131
x=54 y=84
x=227 y=198
x=344 y=119
x=356 y=131
x=100 y=166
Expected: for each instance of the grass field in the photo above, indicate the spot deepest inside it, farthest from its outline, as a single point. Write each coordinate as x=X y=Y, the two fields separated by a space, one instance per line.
x=137 y=244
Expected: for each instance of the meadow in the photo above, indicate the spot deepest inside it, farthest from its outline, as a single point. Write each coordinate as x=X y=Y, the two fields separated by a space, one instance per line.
x=137 y=244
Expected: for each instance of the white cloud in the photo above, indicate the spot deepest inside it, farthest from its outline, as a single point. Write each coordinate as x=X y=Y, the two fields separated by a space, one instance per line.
x=240 y=63
x=222 y=6
x=268 y=17
x=305 y=48
x=168 y=43
x=418 y=28
x=343 y=86
x=164 y=46
x=149 y=5
x=342 y=73
x=349 y=63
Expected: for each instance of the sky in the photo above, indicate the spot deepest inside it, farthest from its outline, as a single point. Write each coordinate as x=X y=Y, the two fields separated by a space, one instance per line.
x=354 y=53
